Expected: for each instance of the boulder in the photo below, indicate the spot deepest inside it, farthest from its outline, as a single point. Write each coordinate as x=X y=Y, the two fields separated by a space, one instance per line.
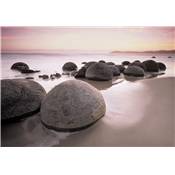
x=162 y=66
x=134 y=71
x=125 y=63
x=57 y=75
x=71 y=106
x=150 y=66
x=81 y=73
x=20 y=66
x=99 y=71
x=115 y=70
x=69 y=66
x=20 y=98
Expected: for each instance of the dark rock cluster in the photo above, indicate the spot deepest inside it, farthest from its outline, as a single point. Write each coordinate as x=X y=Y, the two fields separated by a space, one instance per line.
x=105 y=71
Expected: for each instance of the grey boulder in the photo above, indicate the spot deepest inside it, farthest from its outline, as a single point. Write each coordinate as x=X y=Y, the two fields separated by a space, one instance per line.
x=20 y=98
x=150 y=66
x=19 y=66
x=99 y=72
x=71 y=106
x=69 y=66
x=134 y=71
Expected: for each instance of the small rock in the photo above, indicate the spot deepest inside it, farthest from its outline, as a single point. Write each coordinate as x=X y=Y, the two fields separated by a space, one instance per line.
x=44 y=76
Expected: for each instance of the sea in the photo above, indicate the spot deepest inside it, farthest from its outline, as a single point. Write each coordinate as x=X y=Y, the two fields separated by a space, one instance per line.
x=52 y=63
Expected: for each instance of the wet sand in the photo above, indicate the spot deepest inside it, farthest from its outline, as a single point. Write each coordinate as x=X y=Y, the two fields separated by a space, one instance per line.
x=139 y=113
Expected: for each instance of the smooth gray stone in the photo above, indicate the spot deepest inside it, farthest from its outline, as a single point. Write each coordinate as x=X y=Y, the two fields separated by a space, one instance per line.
x=99 y=72
x=69 y=66
x=72 y=105
x=20 y=98
x=134 y=71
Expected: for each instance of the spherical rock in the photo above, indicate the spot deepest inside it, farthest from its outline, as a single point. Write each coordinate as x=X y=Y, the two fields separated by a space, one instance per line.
x=99 y=71
x=69 y=66
x=20 y=98
x=134 y=71
x=72 y=105
x=20 y=66
x=125 y=63
x=81 y=73
x=115 y=70
x=150 y=66
x=162 y=66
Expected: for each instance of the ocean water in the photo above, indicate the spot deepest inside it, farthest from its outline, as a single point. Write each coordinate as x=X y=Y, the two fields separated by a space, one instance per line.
x=52 y=63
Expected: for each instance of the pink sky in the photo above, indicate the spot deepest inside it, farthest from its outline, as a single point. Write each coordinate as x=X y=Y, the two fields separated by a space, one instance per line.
x=55 y=39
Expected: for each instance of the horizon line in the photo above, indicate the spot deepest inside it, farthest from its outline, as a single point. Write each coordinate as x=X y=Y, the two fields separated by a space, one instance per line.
x=78 y=51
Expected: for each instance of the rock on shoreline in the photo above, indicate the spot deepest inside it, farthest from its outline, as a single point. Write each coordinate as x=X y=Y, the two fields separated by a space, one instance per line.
x=20 y=98
x=72 y=105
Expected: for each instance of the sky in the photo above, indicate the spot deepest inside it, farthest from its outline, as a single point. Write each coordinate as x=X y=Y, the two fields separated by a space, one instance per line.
x=61 y=39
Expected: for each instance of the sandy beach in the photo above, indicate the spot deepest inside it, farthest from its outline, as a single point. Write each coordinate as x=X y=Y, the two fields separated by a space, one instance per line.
x=139 y=113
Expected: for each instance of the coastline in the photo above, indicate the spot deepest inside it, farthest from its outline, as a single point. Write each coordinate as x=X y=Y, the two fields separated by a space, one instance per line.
x=138 y=113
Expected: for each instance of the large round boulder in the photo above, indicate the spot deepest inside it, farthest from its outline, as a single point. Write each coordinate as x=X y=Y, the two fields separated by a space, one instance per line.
x=162 y=66
x=19 y=66
x=99 y=72
x=150 y=66
x=71 y=106
x=20 y=98
x=134 y=71
x=69 y=66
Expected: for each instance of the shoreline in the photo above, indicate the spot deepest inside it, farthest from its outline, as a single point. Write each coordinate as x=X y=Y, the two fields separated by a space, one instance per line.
x=138 y=113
